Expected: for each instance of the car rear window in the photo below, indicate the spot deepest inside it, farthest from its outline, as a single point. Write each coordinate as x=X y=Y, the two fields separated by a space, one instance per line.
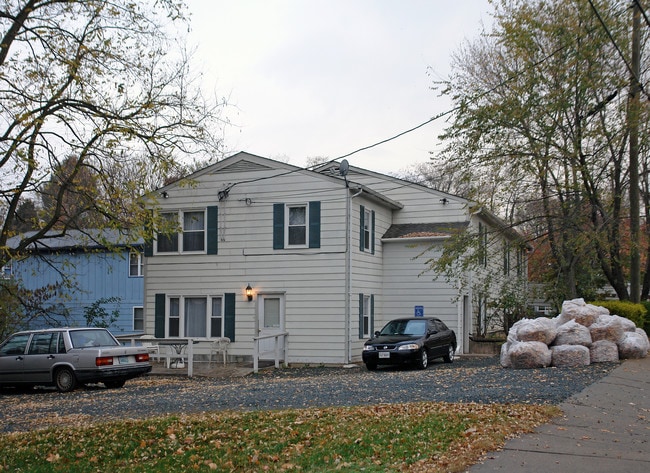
x=92 y=338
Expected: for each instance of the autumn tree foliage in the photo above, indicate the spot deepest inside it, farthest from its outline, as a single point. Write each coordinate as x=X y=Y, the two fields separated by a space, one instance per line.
x=541 y=121
x=98 y=103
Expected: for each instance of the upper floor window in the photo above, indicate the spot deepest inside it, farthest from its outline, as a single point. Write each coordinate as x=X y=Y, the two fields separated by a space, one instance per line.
x=193 y=231
x=191 y=234
x=296 y=225
x=367 y=227
x=136 y=267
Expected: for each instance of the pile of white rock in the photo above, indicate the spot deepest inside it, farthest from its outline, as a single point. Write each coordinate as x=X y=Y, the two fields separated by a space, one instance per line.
x=582 y=334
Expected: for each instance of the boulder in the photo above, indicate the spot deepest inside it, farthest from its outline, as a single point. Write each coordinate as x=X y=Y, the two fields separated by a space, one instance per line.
x=570 y=355
x=579 y=311
x=573 y=333
x=633 y=345
x=541 y=329
x=603 y=351
x=529 y=355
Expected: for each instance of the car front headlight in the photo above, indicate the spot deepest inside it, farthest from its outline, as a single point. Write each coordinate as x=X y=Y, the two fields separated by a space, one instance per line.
x=409 y=346
x=368 y=348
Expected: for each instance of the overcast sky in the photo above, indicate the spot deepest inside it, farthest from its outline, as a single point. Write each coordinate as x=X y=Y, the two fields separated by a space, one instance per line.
x=323 y=78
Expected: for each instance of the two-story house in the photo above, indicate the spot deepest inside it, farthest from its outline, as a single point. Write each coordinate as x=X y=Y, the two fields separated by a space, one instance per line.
x=328 y=256
x=93 y=270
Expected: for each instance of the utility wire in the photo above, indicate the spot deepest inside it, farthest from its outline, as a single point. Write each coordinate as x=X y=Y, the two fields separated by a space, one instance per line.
x=620 y=53
x=645 y=16
x=469 y=100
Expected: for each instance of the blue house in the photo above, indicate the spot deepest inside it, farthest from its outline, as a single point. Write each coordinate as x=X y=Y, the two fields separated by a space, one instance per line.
x=96 y=272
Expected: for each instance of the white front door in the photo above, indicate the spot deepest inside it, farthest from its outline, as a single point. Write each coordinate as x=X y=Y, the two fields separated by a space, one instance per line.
x=271 y=321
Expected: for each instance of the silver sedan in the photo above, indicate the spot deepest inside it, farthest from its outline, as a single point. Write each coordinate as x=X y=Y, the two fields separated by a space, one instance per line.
x=67 y=357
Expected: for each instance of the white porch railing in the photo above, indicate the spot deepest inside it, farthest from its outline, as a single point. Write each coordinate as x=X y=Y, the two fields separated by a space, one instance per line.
x=256 y=349
x=183 y=347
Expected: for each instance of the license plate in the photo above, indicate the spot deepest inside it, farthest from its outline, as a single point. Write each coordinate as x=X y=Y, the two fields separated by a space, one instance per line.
x=124 y=360
x=384 y=354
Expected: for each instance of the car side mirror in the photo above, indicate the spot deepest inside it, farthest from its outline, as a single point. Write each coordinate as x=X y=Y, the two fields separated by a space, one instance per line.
x=376 y=333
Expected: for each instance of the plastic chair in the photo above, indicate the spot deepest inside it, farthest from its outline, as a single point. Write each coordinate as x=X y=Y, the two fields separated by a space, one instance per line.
x=152 y=348
x=219 y=345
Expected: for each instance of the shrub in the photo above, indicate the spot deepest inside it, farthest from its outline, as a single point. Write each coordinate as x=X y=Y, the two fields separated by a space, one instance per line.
x=646 y=327
x=635 y=312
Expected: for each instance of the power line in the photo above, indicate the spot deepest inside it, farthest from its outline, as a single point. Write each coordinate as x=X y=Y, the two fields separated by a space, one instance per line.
x=645 y=16
x=613 y=41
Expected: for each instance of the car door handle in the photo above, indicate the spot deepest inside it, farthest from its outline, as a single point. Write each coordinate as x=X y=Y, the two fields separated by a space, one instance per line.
x=19 y=358
x=50 y=357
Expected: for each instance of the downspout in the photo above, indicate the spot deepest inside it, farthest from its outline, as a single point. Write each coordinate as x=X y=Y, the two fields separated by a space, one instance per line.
x=348 y=275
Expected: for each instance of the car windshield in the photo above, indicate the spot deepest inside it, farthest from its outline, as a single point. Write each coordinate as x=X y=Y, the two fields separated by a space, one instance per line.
x=92 y=338
x=405 y=327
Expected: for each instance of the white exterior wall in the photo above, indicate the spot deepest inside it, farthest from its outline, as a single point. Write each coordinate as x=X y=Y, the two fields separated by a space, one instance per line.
x=405 y=286
x=311 y=280
x=320 y=286
x=421 y=204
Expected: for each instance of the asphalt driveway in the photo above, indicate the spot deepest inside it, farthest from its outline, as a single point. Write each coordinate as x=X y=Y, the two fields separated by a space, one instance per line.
x=480 y=380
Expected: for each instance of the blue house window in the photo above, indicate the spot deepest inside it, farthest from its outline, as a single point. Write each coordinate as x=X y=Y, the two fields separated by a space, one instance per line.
x=136 y=267
x=138 y=318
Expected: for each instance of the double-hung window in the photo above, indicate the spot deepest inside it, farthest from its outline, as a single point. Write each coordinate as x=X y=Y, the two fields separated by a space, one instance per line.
x=194 y=231
x=296 y=225
x=367 y=230
x=195 y=316
x=135 y=264
x=167 y=239
x=191 y=235
x=366 y=314
x=138 y=318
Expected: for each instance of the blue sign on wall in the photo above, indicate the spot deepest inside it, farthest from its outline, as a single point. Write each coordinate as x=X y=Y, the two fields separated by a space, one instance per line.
x=419 y=311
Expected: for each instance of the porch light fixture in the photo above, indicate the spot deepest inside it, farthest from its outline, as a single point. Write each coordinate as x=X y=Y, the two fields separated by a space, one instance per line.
x=249 y=293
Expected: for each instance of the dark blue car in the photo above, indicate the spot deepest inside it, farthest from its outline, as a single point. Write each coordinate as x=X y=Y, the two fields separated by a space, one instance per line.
x=415 y=340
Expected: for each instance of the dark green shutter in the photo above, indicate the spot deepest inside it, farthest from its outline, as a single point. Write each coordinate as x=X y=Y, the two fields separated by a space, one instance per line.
x=278 y=226
x=372 y=232
x=360 y=315
x=148 y=238
x=314 y=224
x=229 y=314
x=159 y=316
x=213 y=236
x=371 y=329
x=362 y=216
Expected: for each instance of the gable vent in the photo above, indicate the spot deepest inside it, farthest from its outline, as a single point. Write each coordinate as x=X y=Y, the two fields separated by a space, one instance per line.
x=244 y=166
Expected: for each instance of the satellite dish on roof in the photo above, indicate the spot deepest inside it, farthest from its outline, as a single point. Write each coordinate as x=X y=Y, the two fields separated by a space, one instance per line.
x=344 y=167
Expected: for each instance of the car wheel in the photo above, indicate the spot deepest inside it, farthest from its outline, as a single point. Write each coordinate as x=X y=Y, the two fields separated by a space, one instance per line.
x=449 y=357
x=371 y=366
x=65 y=380
x=114 y=384
x=423 y=362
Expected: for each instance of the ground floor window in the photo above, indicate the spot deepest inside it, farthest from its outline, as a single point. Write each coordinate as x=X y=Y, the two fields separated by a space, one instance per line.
x=366 y=315
x=195 y=316
x=138 y=318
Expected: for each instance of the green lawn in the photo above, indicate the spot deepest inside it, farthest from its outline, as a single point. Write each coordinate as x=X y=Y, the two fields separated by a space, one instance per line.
x=402 y=437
